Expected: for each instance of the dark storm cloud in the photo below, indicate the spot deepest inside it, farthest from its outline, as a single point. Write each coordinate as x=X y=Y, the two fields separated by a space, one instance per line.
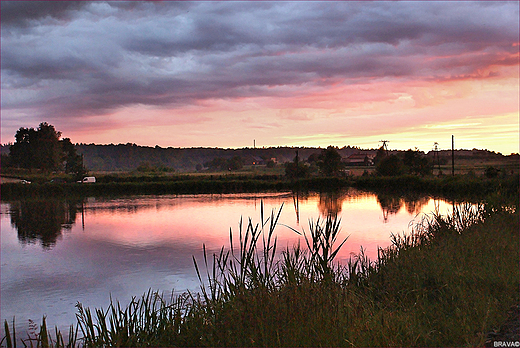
x=80 y=58
x=21 y=13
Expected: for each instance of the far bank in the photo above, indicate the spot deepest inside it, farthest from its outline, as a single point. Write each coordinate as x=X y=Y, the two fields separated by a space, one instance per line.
x=467 y=186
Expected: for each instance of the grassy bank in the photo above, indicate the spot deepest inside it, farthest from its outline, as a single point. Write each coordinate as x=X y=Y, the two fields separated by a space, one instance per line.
x=172 y=185
x=116 y=185
x=466 y=185
x=446 y=283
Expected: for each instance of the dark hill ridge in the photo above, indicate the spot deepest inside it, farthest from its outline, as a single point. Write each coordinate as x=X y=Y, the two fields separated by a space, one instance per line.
x=126 y=157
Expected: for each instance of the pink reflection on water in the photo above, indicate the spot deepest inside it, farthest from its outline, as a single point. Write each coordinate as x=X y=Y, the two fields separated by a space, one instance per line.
x=367 y=220
x=122 y=247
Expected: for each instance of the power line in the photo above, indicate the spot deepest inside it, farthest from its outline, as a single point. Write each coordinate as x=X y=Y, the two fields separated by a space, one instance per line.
x=385 y=147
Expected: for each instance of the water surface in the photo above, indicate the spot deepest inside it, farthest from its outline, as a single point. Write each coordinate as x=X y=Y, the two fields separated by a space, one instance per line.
x=55 y=253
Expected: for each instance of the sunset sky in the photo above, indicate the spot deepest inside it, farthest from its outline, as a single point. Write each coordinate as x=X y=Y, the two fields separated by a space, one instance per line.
x=298 y=73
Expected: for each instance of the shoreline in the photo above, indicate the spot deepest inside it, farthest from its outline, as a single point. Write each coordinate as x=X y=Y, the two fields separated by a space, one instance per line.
x=447 y=186
x=436 y=272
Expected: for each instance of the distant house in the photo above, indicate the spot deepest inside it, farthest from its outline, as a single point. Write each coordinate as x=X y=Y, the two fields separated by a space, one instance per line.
x=257 y=160
x=359 y=159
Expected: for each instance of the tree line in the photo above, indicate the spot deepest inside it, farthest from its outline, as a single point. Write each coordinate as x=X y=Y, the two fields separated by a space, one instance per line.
x=329 y=163
x=42 y=149
x=130 y=157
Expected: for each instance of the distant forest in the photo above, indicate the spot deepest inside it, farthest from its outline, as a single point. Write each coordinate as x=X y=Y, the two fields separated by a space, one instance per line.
x=129 y=157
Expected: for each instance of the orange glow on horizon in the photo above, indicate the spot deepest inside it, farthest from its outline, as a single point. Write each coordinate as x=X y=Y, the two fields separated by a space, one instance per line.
x=403 y=111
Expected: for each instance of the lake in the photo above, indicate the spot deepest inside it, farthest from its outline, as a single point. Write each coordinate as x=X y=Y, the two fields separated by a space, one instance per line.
x=55 y=253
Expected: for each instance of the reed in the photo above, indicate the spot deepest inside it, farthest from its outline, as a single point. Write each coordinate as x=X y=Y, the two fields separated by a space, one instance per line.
x=445 y=283
x=147 y=321
x=39 y=336
x=452 y=277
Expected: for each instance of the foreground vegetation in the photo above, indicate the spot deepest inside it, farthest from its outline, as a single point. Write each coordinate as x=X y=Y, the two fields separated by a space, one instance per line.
x=447 y=282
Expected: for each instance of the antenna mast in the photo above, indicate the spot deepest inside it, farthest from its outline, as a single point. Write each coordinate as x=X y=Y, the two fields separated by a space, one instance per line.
x=385 y=147
x=436 y=157
x=453 y=155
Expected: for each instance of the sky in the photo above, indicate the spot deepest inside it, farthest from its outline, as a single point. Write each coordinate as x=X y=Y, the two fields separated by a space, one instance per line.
x=234 y=74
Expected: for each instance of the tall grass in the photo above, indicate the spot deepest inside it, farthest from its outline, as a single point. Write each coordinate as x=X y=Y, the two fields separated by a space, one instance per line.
x=148 y=321
x=39 y=336
x=445 y=283
x=453 y=276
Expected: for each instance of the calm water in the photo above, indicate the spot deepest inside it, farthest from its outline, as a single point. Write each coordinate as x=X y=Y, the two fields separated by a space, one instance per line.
x=56 y=253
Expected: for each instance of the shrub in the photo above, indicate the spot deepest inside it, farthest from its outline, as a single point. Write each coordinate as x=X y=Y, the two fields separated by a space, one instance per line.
x=491 y=172
x=390 y=165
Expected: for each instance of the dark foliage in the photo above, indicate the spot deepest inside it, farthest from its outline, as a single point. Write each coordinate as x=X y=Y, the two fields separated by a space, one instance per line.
x=73 y=161
x=381 y=153
x=220 y=163
x=329 y=162
x=390 y=165
x=417 y=163
x=295 y=170
x=491 y=172
x=42 y=149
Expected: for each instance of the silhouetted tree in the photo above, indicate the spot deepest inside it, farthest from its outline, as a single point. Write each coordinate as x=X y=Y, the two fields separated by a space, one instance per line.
x=73 y=161
x=417 y=163
x=381 y=153
x=235 y=163
x=22 y=153
x=49 y=154
x=390 y=165
x=40 y=148
x=330 y=162
x=313 y=158
x=296 y=169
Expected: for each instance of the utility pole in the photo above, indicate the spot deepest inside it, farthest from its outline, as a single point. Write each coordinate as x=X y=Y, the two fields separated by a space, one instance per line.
x=296 y=159
x=384 y=144
x=436 y=157
x=453 y=155
x=384 y=147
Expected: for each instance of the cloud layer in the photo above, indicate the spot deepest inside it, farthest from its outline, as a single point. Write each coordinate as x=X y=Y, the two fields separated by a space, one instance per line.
x=88 y=64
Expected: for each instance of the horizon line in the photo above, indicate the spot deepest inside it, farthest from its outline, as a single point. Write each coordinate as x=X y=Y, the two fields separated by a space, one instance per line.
x=279 y=146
